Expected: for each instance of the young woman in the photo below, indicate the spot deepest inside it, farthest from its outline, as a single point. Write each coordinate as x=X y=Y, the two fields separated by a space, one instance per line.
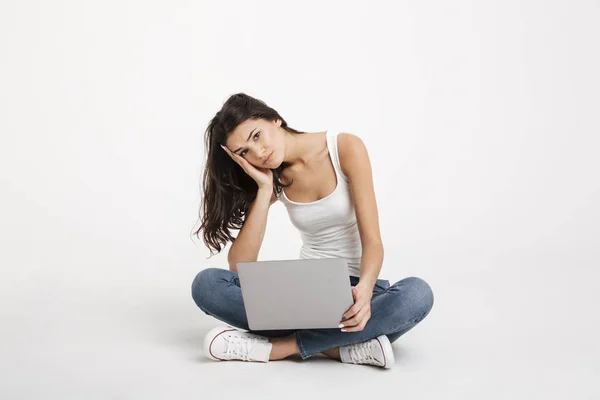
x=324 y=180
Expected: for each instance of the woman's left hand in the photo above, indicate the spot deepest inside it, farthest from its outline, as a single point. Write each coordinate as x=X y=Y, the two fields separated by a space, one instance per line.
x=358 y=315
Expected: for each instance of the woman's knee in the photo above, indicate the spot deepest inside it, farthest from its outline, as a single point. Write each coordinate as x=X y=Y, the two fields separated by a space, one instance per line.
x=421 y=296
x=204 y=284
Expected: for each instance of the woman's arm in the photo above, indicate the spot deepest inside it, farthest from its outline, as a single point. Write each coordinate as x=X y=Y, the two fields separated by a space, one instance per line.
x=355 y=163
x=248 y=242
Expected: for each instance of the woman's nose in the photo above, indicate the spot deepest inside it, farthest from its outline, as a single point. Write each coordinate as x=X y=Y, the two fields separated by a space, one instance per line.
x=260 y=153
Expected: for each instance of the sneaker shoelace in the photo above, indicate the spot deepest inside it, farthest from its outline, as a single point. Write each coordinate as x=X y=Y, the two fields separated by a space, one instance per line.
x=360 y=353
x=239 y=347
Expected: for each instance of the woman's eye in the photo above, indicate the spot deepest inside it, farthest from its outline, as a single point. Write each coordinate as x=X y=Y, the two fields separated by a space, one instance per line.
x=243 y=152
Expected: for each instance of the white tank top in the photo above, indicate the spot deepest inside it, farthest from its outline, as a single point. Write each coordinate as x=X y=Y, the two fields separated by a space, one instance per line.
x=328 y=226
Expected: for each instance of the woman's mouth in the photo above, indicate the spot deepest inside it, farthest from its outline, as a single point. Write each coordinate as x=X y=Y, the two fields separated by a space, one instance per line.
x=268 y=158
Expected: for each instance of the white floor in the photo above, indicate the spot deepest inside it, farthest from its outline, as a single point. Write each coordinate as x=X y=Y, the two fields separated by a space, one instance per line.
x=113 y=327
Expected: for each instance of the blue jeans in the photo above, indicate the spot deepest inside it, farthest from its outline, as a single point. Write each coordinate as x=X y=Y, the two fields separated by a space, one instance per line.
x=395 y=310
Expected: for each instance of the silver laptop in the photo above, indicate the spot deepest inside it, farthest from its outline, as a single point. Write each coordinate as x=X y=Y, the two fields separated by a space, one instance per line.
x=295 y=294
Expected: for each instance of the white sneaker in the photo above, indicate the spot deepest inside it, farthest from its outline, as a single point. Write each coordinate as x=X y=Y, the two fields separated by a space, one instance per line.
x=376 y=351
x=228 y=343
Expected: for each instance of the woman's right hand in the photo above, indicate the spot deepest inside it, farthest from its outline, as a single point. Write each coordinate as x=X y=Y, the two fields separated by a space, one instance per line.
x=262 y=176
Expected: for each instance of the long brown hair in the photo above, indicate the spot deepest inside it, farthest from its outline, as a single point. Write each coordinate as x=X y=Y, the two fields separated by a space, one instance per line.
x=227 y=190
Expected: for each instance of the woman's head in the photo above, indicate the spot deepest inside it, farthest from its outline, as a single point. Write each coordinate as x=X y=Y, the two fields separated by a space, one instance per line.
x=259 y=141
x=255 y=131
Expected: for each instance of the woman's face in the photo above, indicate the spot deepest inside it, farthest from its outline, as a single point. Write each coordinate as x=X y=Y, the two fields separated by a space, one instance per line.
x=259 y=142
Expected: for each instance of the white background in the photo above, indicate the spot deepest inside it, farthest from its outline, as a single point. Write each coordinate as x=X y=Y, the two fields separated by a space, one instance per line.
x=481 y=120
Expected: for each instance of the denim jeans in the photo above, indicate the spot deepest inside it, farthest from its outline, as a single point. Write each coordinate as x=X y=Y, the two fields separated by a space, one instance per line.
x=395 y=310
